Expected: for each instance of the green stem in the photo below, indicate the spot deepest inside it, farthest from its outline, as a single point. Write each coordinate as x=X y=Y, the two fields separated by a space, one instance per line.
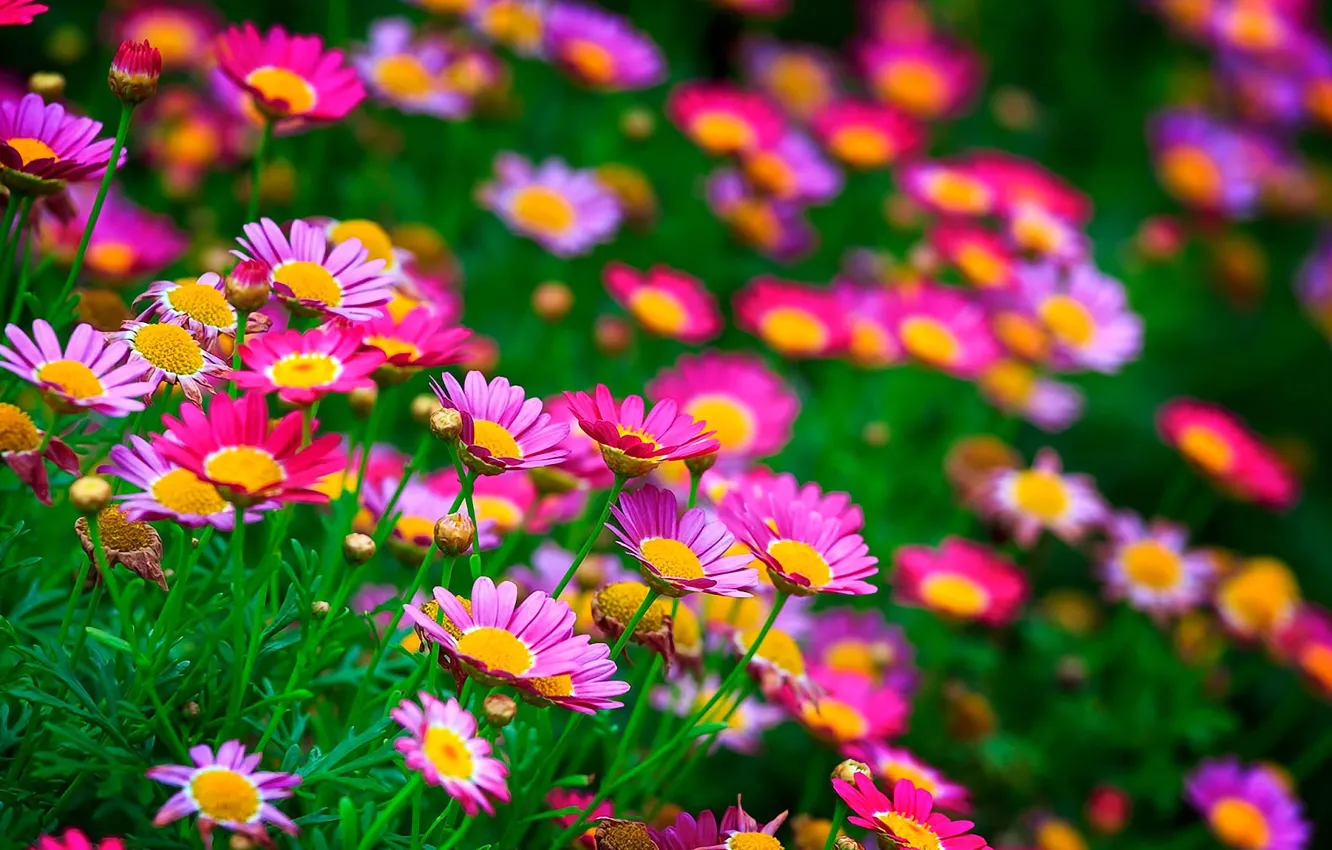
x=238 y=600
x=648 y=599
x=241 y=318
x=112 y=584
x=74 y=595
x=256 y=177
x=7 y=229
x=839 y=816
x=467 y=481
x=121 y=132
x=390 y=810
x=591 y=538
x=636 y=716
x=384 y=527
x=25 y=208
x=443 y=816
x=694 y=480
x=82 y=634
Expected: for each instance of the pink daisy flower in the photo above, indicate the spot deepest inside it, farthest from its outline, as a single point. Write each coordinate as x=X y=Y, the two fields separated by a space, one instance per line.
x=776 y=229
x=680 y=554
x=866 y=135
x=574 y=798
x=1086 y=313
x=1203 y=163
x=956 y=189
x=797 y=320
x=1042 y=498
x=847 y=640
x=1218 y=444
x=867 y=311
x=599 y=49
x=42 y=141
x=761 y=487
x=1041 y=233
x=170 y=353
x=907 y=818
x=181 y=31
x=635 y=441
x=14 y=12
x=805 y=552
x=586 y=690
x=405 y=71
x=88 y=372
x=200 y=306
x=418 y=340
x=1021 y=182
x=1305 y=642
x=291 y=79
x=846 y=708
x=985 y=260
x=502 y=429
x=1246 y=807
x=1017 y=388
x=73 y=839
x=225 y=790
x=892 y=764
x=234 y=447
x=666 y=302
x=942 y=328
x=167 y=491
x=929 y=79
x=792 y=169
x=722 y=119
x=25 y=448
x=340 y=282
x=745 y=725
x=800 y=78
x=960 y=579
x=567 y=211
x=749 y=408
x=740 y=830
x=516 y=24
x=304 y=367
x=1148 y=565
x=443 y=746
x=128 y=242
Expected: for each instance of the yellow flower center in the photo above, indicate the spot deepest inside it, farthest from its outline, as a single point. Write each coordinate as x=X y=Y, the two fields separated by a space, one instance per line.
x=180 y=491
x=31 y=149
x=71 y=378
x=744 y=613
x=246 y=468
x=393 y=347
x=981 y=266
x=870 y=344
x=1010 y=381
x=1151 y=564
x=861 y=147
x=910 y=833
x=771 y=173
x=276 y=85
x=733 y=422
x=658 y=310
x=113 y=259
x=17 y=431
x=513 y=24
x=448 y=7
x=721 y=132
x=203 y=304
x=797 y=81
x=619 y=601
x=1239 y=823
x=916 y=86
x=853 y=655
x=402 y=75
x=1191 y=175
x=752 y=841
x=1316 y=661
x=169 y=348
x=498 y=649
x=372 y=237
x=304 y=370
x=191 y=142
x=309 y=282
x=1068 y=320
x=120 y=534
x=685 y=629
x=542 y=210
x=671 y=558
x=930 y=340
x=447 y=752
x=495 y=438
x=590 y=60
x=958 y=193
x=1056 y=834
x=798 y=558
x=414 y=529
x=1253 y=27
x=1207 y=449
x=552 y=686
x=778 y=649
x=1036 y=233
x=101 y=308
x=1041 y=494
x=834 y=719
x=895 y=770
x=225 y=795
x=1021 y=335
x=954 y=594
x=506 y=515
x=173 y=38
x=755 y=222
x=793 y=331
x=1318 y=99
x=1261 y=596
x=401 y=304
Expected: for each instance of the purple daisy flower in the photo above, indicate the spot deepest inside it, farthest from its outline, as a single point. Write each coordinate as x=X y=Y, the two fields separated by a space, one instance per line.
x=128 y=242
x=793 y=169
x=1040 y=498
x=586 y=690
x=89 y=372
x=404 y=71
x=502 y=429
x=443 y=746
x=43 y=141
x=565 y=210
x=169 y=352
x=169 y=492
x=776 y=229
x=1086 y=312
x=847 y=640
x=1247 y=808
x=600 y=49
x=1203 y=163
x=1148 y=565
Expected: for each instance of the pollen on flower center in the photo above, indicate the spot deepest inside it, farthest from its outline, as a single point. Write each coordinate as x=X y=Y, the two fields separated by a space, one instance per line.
x=497 y=649
x=793 y=331
x=1152 y=564
x=203 y=304
x=671 y=558
x=915 y=85
x=225 y=795
x=752 y=841
x=119 y=533
x=930 y=340
x=402 y=75
x=279 y=85
x=861 y=146
x=590 y=60
x=1206 y=448
x=910 y=833
x=71 y=378
x=734 y=425
x=447 y=752
x=778 y=649
x=552 y=686
x=17 y=431
x=852 y=655
x=722 y=132
x=542 y=210
x=619 y=601
x=658 y=311
x=835 y=719
x=771 y=173
x=304 y=370
x=495 y=438
x=370 y=234
x=797 y=558
x=1068 y=320
x=1239 y=823
x=954 y=594
x=980 y=265
x=247 y=468
x=180 y=491
x=170 y=348
x=30 y=150
x=309 y=282
x=1010 y=381
x=1041 y=494
x=392 y=346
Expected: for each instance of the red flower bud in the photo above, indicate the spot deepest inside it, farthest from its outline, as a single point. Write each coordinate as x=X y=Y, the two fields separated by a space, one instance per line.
x=134 y=72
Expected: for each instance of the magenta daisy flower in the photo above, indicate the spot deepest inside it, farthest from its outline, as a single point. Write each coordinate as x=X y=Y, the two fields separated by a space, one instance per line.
x=1042 y=498
x=796 y=320
x=586 y=690
x=405 y=71
x=722 y=119
x=907 y=819
x=418 y=340
x=168 y=491
x=1247 y=808
x=73 y=839
x=1148 y=565
x=340 y=282
x=225 y=790
x=634 y=441
x=501 y=428
x=942 y=328
x=599 y=49
x=863 y=641
x=740 y=831
x=866 y=135
x=745 y=725
x=1042 y=233
x=1016 y=387
x=291 y=79
x=680 y=554
x=443 y=746
x=41 y=141
x=1086 y=313
x=867 y=314
x=1222 y=447
x=845 y=708
x=984 y=258
x=89 y=372
x=957 y=189
x=304 y=367
x=666 y=302
x=200 y=306
x=805 y=552
x=16 y=12
x=565 y=210
x=800 y=78
x=929 y=78
x=234 y=447
x=962 y=580
x=128 y=242
x=761 y=487
x=792 y=169
x=749 y=408
x=1203 y=163
x=168 y=352
x=892 y=764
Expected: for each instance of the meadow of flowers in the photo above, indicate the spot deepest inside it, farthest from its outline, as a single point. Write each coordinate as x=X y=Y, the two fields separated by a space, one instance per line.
x=730 y=425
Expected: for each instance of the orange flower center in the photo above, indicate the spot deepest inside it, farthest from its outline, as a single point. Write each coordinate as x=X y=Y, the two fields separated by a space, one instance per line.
x=283 y=88
x=1207 y=449
x=113 y=259
x=30 y=149
x=1191 y=175
x=1068 y=320
x=861 y=147
x=721 y=132
x=1152 y=564
x=402 y=75
x=930 y=340
x=542 y=210
x=225 y=795
x=1041 y=494
x=1239 y=823
x=793 y=331
x=658 y=310
x=447 y=752
x=590 y=60
x=249 y=469
x=954 y=594
x=916 y=86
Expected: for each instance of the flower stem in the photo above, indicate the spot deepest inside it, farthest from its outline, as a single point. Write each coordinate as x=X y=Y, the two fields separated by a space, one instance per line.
x=694 y=480
x=126 y=110
x=839 y=816
x=238 y=599
x=591 y=538
x=241 y=318
x=25 y=209
x=390 y=810
x=112 y=583
x=648 y=599
x=256 y=177
x=74 y=595
x=467 y=481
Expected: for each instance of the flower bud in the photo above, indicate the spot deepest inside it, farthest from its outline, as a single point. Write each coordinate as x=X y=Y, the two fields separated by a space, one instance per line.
x=552 y=301
x=90 y=494
x=319 y=609
x=700 y=464
x=247 y=286
x=613 y=335
x=454 y=533
x=846 y=842
x=362 y=401
x=1014 y=109
x=615 y=834
x=1108 y=809
x=423 y=406
x=1071 y=672
x=190 y=709
x=499 y=710
x=848 y=768
x=446 y=423
x=49 y=84
x=134 y=72
x=638 y=123
x=875 y=434
x=358 y=548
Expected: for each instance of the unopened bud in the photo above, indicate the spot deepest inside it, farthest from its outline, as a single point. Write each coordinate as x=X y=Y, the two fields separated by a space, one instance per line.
x=848 y=768
x=552 y=301
x=446 y=423
x=923 y=258
x=134 y=72
x=875 y=434
x=613 y=335
x=190 y=709
x=423 y=406
x=90 y=494
x=48 y=84
x=247 y=286
x=846 y=842
x=499 y=710
x=699 y=464
x=319 y=609
x=358 y=548
x=638 y=123
x=454 y=533
x=362 y=400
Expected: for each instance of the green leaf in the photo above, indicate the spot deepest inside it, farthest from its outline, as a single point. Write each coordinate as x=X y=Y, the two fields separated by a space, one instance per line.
x=109 y=640
x=348 y=827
